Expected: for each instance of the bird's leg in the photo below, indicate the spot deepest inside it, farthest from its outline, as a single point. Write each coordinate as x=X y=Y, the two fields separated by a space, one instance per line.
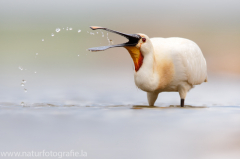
x=183 y=89
x=182 y=102
x=152 y=97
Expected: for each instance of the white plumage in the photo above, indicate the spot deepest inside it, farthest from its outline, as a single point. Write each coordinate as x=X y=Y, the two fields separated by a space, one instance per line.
x=170 y=65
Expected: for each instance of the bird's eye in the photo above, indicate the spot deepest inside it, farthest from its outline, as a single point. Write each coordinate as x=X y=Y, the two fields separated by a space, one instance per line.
x=144 y=39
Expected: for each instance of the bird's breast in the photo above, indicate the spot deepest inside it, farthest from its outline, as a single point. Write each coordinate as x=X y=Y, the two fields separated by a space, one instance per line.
x=156 y=74
x=165 y=69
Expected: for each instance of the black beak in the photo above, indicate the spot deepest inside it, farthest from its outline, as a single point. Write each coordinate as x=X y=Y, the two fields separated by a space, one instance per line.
x=133 y=40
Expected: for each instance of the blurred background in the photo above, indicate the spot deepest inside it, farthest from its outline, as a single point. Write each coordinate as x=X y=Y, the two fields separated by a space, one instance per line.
x=60 y=68
x=56 y=95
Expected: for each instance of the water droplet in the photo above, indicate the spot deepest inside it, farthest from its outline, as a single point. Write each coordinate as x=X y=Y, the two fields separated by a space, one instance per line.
x=35 y=72
x=78 y=55
x=67 y=28
x=109 y=41
x=97 y=32
x=36 y=53
x=25 y=90
x=22 y=103
x=87 y=31
x=58 y=30
x=102 y=34
x=23 y=81
x=20 y=68
x=22 y=84
x=63 y=28
x=79 y=31
x=52 y=34
x=70 y=28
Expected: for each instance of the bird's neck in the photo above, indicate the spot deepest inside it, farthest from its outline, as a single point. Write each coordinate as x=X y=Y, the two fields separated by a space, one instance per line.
x=148 y=64
x=146 y=78
x=144 y=62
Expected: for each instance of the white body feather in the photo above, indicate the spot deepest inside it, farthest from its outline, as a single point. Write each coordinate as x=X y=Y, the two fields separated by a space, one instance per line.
x=189 y=67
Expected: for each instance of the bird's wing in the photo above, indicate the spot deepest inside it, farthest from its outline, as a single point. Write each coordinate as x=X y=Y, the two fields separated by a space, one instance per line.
x=194 y=62
x=187 y=57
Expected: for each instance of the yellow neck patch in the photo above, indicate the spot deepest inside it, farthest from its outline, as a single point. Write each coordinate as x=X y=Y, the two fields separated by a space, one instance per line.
x=136 y=55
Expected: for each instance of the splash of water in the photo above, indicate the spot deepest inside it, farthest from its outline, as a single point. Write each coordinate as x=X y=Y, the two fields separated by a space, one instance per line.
x=58 y=30
x=108 y=39
x=20 y=68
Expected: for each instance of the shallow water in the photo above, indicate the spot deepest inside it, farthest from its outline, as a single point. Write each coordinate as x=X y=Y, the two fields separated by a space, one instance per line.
x=122 y=130
x=117 y=122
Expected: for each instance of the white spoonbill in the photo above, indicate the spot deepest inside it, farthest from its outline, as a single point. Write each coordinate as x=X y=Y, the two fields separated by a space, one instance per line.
x=163 y=64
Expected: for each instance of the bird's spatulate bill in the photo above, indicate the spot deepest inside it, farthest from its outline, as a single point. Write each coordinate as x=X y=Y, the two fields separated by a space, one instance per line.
x=96 y=27
x=133 y=39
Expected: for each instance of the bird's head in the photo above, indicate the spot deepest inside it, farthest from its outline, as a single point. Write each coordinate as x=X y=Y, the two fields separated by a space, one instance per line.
x=144 y=44
x=139 y=45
